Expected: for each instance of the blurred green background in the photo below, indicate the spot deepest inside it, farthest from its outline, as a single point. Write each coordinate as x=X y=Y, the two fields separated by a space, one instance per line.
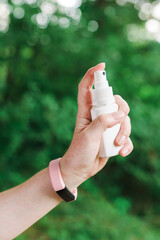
x=45 y=49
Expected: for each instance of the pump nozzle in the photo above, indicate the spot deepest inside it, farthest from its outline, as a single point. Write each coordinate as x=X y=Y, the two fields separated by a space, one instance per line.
x=100 y=80
x=102 y=94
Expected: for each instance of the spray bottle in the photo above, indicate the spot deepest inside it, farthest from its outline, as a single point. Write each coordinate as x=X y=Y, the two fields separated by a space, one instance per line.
x=103 y=102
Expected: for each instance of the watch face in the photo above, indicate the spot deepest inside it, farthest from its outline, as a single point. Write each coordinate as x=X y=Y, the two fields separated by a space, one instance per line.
x=66 y=195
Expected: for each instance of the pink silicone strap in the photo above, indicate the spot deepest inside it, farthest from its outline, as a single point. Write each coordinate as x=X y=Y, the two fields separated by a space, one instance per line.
x=56 y=177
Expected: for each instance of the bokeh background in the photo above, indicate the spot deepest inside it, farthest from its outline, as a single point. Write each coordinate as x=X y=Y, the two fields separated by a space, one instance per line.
x=45 y=49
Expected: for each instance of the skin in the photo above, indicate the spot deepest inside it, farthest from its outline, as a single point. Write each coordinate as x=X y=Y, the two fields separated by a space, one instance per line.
x=23 y=205
x=80 y=161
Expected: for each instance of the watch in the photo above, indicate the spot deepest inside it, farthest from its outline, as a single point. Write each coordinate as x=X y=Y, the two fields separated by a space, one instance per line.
x=58 y=184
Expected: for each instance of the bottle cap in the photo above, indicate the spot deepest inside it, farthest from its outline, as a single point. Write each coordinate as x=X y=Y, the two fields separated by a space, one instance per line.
x=102 y=94
x=100 y=79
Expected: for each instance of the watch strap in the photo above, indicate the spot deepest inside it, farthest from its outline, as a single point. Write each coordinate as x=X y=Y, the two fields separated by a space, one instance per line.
x=58 y=184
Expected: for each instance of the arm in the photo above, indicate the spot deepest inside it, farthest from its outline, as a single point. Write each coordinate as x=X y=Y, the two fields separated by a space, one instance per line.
x=25 y=204
x=22 y=206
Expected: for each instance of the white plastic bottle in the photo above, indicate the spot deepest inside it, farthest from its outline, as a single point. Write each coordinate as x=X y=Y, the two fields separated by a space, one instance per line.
x=103 y=102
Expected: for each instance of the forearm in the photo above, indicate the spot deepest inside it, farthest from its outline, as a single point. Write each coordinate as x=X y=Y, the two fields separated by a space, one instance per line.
x=25 y=204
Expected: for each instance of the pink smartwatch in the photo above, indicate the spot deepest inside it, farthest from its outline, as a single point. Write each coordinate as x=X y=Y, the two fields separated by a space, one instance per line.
x=58 y=184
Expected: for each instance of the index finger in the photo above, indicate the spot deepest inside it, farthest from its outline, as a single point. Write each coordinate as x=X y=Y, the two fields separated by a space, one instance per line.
x=88 y=79
x=84 y=91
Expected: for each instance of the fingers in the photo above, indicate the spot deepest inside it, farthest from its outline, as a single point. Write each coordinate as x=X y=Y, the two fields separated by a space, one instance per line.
x=127 y=148
x=88 y=79
x=84 y=91
x=124 y=132
x=123 y=105
x=99 y=125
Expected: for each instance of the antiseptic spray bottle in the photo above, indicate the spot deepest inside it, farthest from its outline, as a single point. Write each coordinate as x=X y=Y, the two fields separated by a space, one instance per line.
x=103 y=102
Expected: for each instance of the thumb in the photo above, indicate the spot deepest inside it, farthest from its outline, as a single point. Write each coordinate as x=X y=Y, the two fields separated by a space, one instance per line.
x=102 y=122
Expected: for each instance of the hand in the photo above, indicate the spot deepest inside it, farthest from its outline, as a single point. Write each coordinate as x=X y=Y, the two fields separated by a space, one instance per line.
x=80 y=161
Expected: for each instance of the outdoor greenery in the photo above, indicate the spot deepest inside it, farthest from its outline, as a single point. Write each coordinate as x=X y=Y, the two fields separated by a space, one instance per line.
x=44 y=52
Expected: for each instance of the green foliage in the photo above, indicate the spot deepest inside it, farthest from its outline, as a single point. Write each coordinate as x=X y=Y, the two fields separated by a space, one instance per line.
x=90 y=217
x=40 y=69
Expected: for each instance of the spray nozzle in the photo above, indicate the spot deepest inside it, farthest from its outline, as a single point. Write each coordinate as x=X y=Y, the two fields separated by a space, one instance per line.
x=102 y=94
x=100 y=80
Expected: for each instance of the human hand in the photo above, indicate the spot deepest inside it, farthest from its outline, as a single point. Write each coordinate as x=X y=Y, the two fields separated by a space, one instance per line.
x=81 y=162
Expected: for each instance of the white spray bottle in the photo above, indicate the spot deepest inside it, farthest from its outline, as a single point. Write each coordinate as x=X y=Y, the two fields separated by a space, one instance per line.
x=103 y=102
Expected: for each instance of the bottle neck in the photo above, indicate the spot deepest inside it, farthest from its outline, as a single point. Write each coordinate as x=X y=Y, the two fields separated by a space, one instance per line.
x=102 y=96
x=100 y=84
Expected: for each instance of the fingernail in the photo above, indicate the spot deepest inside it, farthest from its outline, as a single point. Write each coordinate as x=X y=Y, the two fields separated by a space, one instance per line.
x=103 y=63
x=125 y=151
x=118 y=115
x=121 y=140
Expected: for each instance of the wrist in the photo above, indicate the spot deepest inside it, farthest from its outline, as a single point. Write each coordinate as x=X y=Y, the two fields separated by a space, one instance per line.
x=71 y=179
